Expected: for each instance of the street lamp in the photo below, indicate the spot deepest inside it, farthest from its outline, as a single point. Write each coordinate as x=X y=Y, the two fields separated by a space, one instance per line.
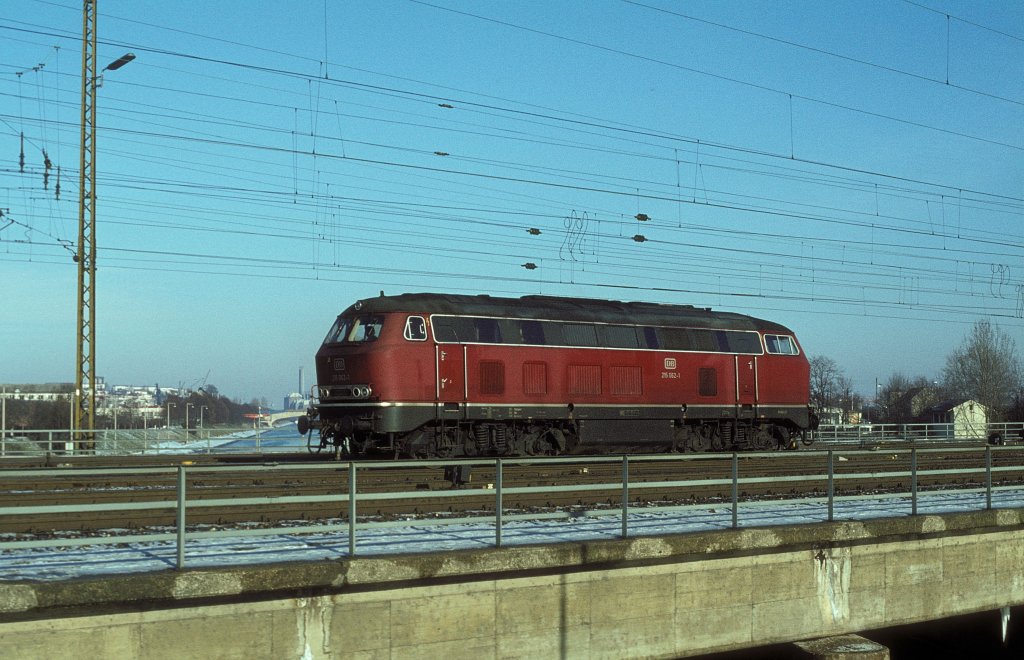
x=187 y=406
x=201 y=409
x=169 y=406
x=119 y=62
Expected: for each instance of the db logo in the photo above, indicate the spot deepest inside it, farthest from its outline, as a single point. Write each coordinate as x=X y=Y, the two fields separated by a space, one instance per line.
x=670 y=363
x=339 y=364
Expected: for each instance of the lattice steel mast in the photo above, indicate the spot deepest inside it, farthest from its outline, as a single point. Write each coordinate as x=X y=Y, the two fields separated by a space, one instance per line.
x=85 y=376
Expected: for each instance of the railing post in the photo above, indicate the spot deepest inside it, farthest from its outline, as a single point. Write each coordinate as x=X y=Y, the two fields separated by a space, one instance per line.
x=181 y=517
x=988 y=478
x=625 y=496
x=913 y=482
x=735 y=490
x=498 y=505
x=351 y=509
x=831 y=486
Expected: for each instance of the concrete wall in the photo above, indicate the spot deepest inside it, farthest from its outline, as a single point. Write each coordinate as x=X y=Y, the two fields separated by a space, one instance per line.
x=650 y=597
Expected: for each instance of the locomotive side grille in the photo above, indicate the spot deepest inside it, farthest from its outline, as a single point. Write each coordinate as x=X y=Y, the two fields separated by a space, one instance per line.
x=707 y=382
x=584 y=379
x=626 y=381
x=492 y=377
x=535 y=378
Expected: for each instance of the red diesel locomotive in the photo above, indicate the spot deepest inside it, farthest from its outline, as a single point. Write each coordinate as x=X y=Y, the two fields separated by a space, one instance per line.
x=433 y=375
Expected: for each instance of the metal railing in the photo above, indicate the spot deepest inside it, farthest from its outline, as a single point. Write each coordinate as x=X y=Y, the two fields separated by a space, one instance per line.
x=863 y=434
x=113 y=442
x=124 y=442
x=351 y=496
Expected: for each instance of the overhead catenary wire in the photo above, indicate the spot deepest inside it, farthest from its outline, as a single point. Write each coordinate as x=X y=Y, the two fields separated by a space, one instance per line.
x=600 y=182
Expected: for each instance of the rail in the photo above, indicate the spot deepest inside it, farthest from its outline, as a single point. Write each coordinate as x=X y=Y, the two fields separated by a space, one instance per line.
x=905 y=466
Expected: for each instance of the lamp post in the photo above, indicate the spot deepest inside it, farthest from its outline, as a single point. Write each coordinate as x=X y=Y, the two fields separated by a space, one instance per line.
x=187 y=406
x=201 y=409
x=84 y=418
x=169 y=406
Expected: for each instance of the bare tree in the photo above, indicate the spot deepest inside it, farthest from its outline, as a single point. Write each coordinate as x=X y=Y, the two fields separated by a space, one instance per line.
x=985 y=368
x=848 y=399
x=826 y=386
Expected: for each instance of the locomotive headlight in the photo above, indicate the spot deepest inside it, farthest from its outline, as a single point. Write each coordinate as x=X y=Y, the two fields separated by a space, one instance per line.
x=325 y=392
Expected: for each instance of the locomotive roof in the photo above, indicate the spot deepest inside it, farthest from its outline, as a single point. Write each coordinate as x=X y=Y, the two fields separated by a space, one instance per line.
x=557 y=308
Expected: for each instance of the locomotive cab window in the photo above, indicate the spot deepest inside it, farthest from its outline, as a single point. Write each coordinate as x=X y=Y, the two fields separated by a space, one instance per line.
x=365 y=328
x=415 y=328
x=780 y=345
x=338 y=331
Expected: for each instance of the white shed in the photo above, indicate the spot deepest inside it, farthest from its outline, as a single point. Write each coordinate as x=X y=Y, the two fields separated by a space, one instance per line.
x=969 y=418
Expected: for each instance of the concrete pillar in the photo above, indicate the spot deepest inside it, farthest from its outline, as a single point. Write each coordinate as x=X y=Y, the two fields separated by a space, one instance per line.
x=843 y=647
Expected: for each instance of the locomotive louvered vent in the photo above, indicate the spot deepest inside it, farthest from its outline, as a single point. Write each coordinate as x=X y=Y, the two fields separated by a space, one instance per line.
x=584 y=379
x=625 y=381
x=535 y=378
x=492 y=377
x=707 y=382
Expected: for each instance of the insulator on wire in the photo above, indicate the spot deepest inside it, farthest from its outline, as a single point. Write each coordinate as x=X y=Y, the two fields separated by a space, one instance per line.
x=639 y=238
x=533 y=231
x=21 y=158
x=642 y=217
x=529 y=265
x=56 y=189
x=47 y=165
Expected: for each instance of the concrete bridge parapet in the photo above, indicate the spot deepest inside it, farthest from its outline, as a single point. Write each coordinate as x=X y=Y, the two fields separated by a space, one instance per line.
x=671 y=596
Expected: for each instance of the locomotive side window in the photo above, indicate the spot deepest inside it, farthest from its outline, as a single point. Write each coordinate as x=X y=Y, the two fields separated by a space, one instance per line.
x=619 y=336
x=676 y=339
x=732 y=341
x=415 y=328
x=704 y=340
x=453 y=329
x=532 y=332
x=781 y=345
x=651 y=338
x=487 y=331
x=579 y=334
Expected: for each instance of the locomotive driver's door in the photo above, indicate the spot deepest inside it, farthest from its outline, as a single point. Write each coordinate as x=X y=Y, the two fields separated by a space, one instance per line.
x=451 y=375
x=746 y=380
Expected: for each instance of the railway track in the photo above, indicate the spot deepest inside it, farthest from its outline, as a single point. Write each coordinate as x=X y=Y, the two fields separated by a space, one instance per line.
x=86 y=498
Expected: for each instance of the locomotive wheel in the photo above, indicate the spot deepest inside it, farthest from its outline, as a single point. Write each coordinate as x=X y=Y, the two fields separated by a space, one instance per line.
x=783 y=438
x=700 y=438
x=762 y=440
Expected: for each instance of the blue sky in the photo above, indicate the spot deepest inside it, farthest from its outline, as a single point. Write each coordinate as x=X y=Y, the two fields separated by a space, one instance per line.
x=854 y=170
